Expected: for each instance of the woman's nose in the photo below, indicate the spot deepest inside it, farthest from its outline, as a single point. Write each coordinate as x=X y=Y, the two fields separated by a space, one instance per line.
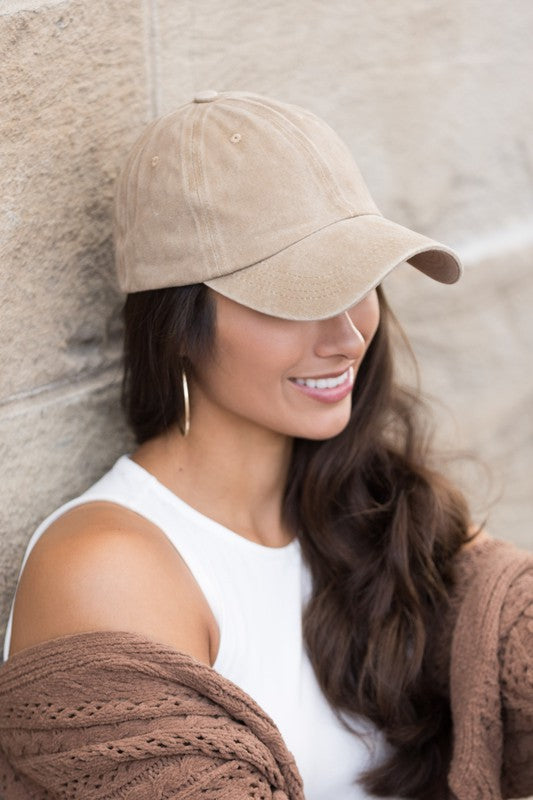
x=340 y=336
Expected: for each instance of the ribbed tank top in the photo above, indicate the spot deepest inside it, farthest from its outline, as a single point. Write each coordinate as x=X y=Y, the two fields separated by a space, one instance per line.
x=256 y=594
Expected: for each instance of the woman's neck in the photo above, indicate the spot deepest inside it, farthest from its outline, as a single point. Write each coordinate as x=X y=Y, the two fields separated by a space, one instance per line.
x=233 y=473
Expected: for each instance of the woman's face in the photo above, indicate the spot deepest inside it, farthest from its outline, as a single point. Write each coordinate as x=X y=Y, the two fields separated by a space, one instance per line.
x=291 y=377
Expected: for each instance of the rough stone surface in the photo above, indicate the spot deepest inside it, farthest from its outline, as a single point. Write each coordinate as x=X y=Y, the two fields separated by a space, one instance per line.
x=73 y=96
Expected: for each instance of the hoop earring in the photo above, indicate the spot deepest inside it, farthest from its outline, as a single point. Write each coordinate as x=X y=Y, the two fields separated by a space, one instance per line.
x=187 y=421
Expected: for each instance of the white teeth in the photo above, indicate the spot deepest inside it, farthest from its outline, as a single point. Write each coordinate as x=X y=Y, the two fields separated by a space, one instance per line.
x=326 y=383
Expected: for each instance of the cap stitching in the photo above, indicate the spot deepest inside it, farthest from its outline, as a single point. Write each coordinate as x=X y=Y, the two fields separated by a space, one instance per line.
x=187 y=175
x=271 y=255
x=329 y=281
x=205 y=214
x=214 y=233
x=128 y=216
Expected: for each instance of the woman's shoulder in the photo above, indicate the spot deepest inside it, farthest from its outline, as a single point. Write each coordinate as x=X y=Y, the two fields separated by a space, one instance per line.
x=486 y=553
x=492 y=572
x=101 y=566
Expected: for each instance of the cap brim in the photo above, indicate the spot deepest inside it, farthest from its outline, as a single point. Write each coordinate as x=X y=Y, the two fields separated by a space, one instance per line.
x=333 y=268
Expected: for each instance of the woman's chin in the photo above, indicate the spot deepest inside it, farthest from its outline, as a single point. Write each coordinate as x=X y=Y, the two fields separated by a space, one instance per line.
x=321 y=429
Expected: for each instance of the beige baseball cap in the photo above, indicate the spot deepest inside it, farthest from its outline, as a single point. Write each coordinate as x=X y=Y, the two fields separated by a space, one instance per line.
x=262 y=201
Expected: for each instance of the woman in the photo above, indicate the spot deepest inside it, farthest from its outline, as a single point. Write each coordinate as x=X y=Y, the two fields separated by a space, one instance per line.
x=280 y=520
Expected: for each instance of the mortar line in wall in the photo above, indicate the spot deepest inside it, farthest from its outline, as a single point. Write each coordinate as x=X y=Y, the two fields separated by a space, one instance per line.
x=64 y=389
x=153 y=41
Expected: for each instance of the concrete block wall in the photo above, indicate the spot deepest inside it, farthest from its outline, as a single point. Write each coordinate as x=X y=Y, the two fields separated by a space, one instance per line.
x=432 y=98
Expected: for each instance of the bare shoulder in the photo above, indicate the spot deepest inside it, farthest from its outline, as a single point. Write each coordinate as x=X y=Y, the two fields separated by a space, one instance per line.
x=101 y=566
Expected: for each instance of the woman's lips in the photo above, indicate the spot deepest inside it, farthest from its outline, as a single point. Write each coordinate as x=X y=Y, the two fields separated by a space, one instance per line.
x=324 y=393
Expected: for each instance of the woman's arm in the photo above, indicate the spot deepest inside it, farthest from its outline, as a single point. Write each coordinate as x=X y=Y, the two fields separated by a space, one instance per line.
x=114 y=714
x=516 y=677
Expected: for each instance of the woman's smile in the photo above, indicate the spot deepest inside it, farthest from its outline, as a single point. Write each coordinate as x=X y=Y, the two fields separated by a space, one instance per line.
x=328 y=389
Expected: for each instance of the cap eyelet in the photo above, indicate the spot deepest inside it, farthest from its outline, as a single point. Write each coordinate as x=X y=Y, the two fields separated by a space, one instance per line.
x=205 y=97
x=236 y=137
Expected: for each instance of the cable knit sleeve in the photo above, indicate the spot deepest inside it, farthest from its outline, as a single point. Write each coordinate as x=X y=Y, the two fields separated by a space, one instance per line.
x=112 y=714
x=516 y=671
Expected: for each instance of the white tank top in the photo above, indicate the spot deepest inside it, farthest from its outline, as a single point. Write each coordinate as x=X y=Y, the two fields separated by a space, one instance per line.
x=256 y=595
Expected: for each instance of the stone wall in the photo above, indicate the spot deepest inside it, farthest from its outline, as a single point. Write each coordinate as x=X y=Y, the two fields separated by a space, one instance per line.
x=433 y=98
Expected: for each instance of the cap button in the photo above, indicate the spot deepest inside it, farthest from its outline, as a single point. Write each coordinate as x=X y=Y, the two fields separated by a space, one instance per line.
x=205 y=97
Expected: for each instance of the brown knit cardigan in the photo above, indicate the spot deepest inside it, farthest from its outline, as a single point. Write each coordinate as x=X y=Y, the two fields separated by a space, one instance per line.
x=115 y=715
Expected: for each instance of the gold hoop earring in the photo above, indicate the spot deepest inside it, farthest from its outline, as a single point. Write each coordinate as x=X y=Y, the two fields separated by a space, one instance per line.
x=187 y=421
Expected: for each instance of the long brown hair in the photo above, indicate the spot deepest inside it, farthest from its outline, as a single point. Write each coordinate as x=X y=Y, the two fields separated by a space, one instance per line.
x=378 y=527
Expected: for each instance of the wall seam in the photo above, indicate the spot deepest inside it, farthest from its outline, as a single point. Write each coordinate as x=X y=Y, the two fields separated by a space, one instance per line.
x=63 y=389
x=153 y=61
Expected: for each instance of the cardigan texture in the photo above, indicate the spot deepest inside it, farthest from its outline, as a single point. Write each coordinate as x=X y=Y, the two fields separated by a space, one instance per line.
x=109 y=715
